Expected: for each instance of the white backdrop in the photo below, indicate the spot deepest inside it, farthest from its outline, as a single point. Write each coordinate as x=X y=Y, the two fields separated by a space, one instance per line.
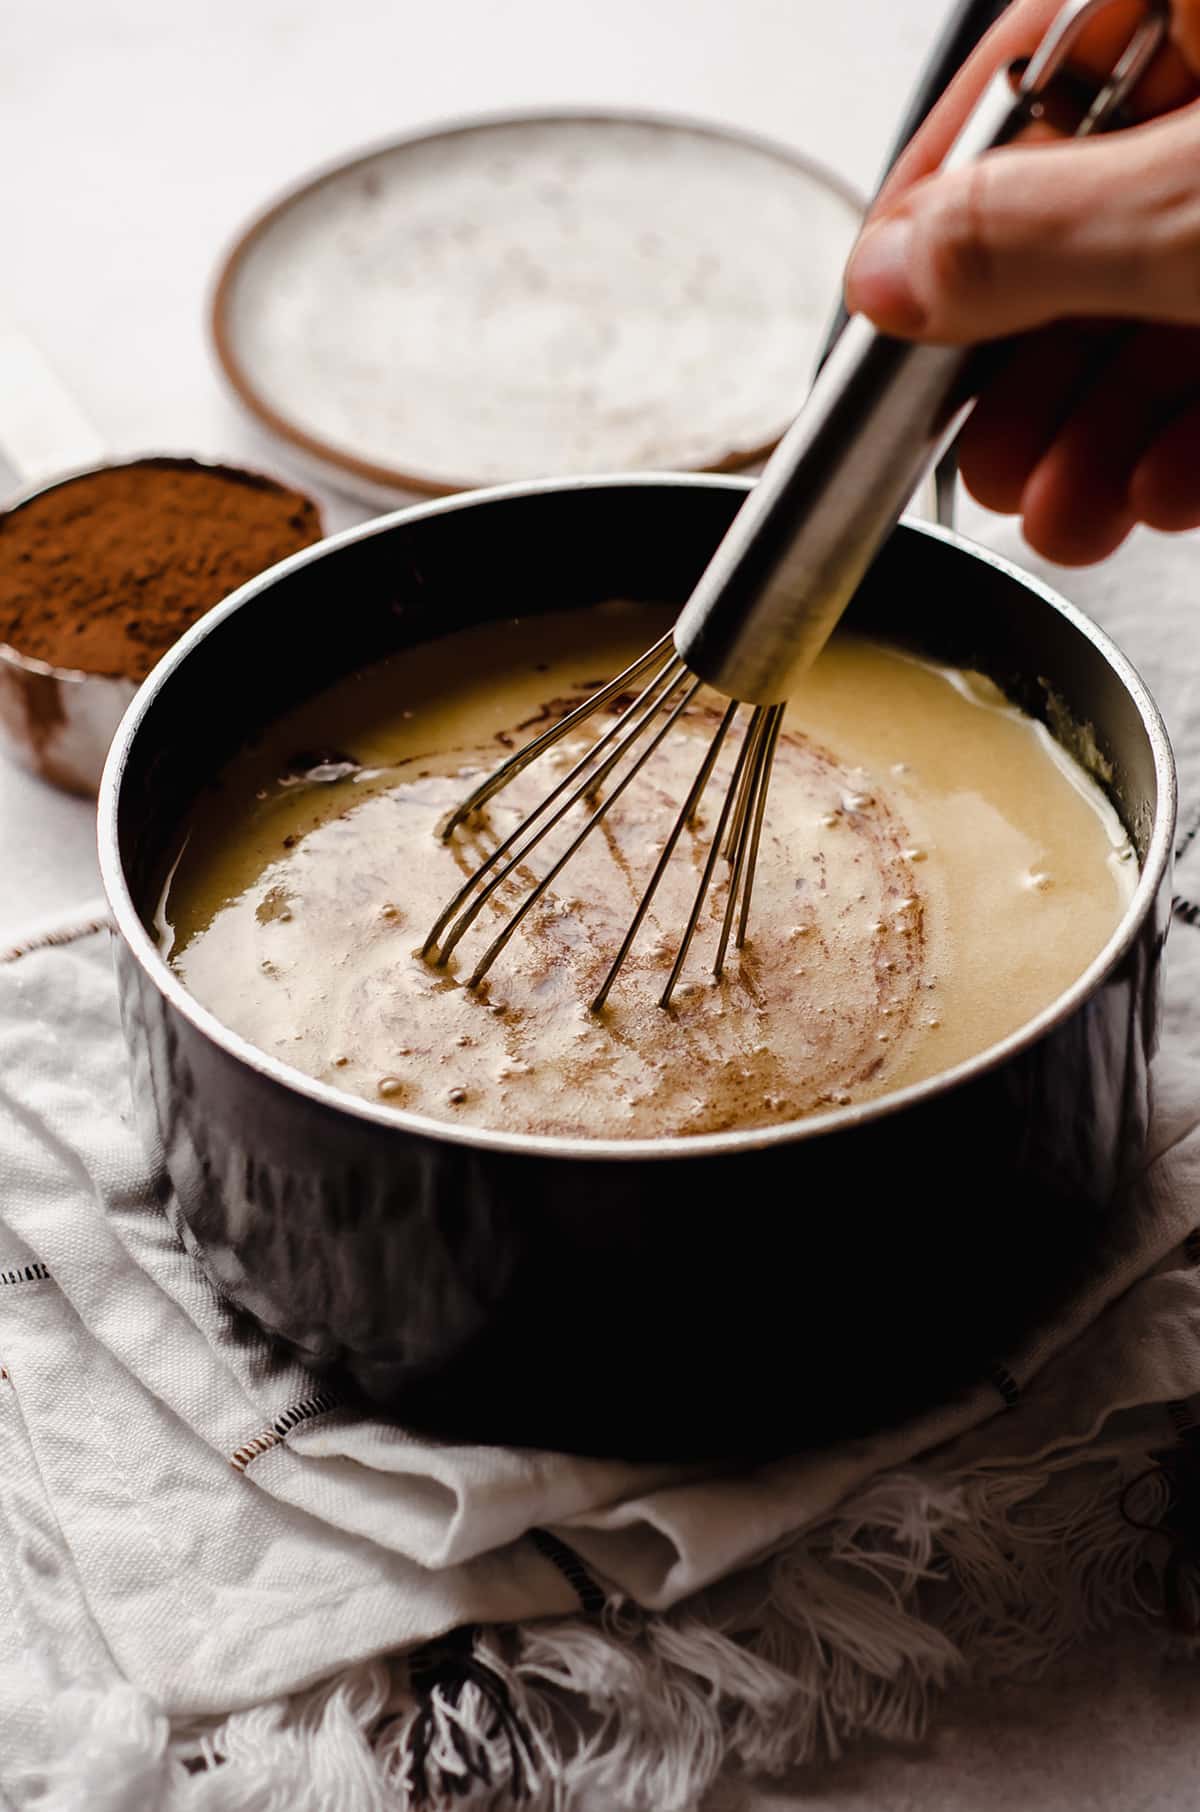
x=135 y=136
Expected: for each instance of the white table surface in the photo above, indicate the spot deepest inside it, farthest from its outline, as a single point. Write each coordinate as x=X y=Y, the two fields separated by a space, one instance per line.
x=135 y=137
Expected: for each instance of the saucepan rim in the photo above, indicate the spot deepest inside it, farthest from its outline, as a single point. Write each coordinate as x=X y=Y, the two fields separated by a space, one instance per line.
x=402 y=1121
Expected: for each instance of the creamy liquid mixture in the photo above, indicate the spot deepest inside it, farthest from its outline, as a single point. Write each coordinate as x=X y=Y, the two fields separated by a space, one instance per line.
x=934 y=871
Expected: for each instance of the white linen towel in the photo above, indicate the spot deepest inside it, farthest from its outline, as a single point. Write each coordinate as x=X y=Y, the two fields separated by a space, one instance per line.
x=193 y=1531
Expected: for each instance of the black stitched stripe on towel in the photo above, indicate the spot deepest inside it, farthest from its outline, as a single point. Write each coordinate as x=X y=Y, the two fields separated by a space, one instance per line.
x=49 y=940
x=35 y=1273
x=1182 y=1419
x=1001 y=1379
x=1188 y=838
x=592 y=1600
x=462 y=1762
x=317 y=1405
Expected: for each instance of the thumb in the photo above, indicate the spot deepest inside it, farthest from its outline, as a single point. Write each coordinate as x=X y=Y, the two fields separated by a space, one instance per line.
x=1028 y=234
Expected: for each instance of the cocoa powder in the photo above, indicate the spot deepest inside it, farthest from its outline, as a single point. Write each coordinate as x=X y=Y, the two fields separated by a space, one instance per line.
x=103 y=572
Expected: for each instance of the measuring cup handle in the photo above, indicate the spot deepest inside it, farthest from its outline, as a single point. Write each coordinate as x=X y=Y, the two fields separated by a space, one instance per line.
x=43 y=432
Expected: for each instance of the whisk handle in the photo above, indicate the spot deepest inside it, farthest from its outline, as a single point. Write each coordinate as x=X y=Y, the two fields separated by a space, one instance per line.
x=873 y=422
x=832 y=490
x=966 y=25
x=805 y=537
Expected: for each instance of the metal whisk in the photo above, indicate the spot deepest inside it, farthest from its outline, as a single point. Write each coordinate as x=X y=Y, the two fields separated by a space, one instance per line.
x=782 y=576
x=665 y=696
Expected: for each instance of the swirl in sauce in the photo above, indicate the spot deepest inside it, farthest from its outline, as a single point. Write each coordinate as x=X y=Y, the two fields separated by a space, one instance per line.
x=934 y=871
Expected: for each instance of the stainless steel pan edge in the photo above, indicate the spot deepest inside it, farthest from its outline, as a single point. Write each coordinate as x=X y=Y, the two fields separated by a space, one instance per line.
x=1155 y=861
x=741 y=1293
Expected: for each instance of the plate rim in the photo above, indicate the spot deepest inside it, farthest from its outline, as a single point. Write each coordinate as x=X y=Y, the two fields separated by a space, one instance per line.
x=369 y=475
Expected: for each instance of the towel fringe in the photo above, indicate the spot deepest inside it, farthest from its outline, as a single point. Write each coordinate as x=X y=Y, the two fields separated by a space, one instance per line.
x=464 y=1734
x=1177 y=1473
x=850 y=1630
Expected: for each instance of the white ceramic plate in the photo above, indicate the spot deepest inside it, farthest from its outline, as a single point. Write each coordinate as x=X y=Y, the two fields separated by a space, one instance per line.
x=524 y=296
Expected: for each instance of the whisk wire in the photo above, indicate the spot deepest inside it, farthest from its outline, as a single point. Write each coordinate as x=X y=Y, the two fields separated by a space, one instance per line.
x=742 y=800
x=652 y=698
x=727 y=806
x=695 y=792
x=766 y=769
x=756 y=739
x=737 y=833
x=492 y=952
x=794 y=556
x=516 y=764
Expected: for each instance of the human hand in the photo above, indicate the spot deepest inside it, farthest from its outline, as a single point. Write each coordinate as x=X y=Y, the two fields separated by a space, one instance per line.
x=1090 y=251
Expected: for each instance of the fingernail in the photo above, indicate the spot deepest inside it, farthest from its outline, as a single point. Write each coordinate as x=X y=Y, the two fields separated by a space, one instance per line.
x=877 y=278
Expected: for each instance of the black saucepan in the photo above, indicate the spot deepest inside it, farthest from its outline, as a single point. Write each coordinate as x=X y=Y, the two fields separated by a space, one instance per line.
x=734 y=1294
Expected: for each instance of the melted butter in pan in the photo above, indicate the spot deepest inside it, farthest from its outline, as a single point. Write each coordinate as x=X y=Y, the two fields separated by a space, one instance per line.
x=934 y=871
